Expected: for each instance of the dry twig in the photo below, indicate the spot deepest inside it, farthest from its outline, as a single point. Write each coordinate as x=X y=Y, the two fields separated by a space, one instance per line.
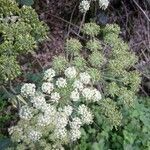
x=142 y=10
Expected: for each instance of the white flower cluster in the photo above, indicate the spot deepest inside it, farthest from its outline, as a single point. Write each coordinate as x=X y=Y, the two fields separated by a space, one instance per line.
x=61 y=123
x=75 y=134
x=61 y=82
x=49 y=74
x=85 y=78
x=34 y=135
x=60 y=133
x=71 y=72
x=28 y=89
x=75 y=123
x=57 y=147
x=48 y=116
x=68 y=110
x=103 y=4
x=47 y=87
x=75 y=96
x=53 y=106
x=18 y=131
x=38 y=101
x=84 y=6
x=13 y=129
x=86 y=115
x=91 y=94
x=55 y=97
x=78 y=85
x=25 y=112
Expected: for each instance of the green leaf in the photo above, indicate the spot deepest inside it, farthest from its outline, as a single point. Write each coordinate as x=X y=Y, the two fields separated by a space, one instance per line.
x=98 y=146
x=129 y=137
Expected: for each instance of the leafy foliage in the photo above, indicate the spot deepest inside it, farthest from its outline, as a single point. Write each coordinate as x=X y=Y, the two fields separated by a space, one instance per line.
x=107 y=59
x=9 y=68
x=5 y=117
x=54 y=111
x=133 y=134
x=20 y=32
x=121 y=121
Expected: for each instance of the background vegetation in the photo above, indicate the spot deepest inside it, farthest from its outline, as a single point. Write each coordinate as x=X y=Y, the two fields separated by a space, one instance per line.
x=25 y=51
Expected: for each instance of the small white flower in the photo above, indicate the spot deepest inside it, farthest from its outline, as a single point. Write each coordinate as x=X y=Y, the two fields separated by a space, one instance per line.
x=87 y=93
x=25 y=112
x=75 y=96
x=61 y=120
x=75 y=134
x=71 y=72
x=13 y=129
x=49 y=74
x=60 y=133
x=84 y=6
x=78 y=85
x=57 y=147
x=46 y=119
x=61 y=82
x=85 y=78
x=75 y=123
x=47 y=87
x=38 y=101
x=55 y=97
x=16 y=130
x=96 y=95
x=43 y=120
x=49 y=109
x=34 y=135
x=103 y=4
x=86 y=115
x=28 y=89
x=68 y=110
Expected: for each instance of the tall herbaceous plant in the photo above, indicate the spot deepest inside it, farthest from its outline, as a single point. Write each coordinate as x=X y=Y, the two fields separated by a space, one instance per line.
x=110 y=63
x=56 y=111
x=88 y=92
x=20 y=32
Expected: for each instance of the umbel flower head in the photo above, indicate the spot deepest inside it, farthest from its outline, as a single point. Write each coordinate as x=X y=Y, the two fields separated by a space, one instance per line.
x=56 y=110
x=85 y=5
x=91 y=29
x=73 y=46
x=103 y=4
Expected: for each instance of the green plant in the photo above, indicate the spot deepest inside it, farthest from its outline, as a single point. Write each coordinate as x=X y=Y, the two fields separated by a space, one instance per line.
x=73 y=46
x=115 y=114
x=112 y=62
x=59 y=63
x=20 y=32
x=92 y=30
x=55 y=111
x=133 y=134
x=9 y=68
x=5 y=117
